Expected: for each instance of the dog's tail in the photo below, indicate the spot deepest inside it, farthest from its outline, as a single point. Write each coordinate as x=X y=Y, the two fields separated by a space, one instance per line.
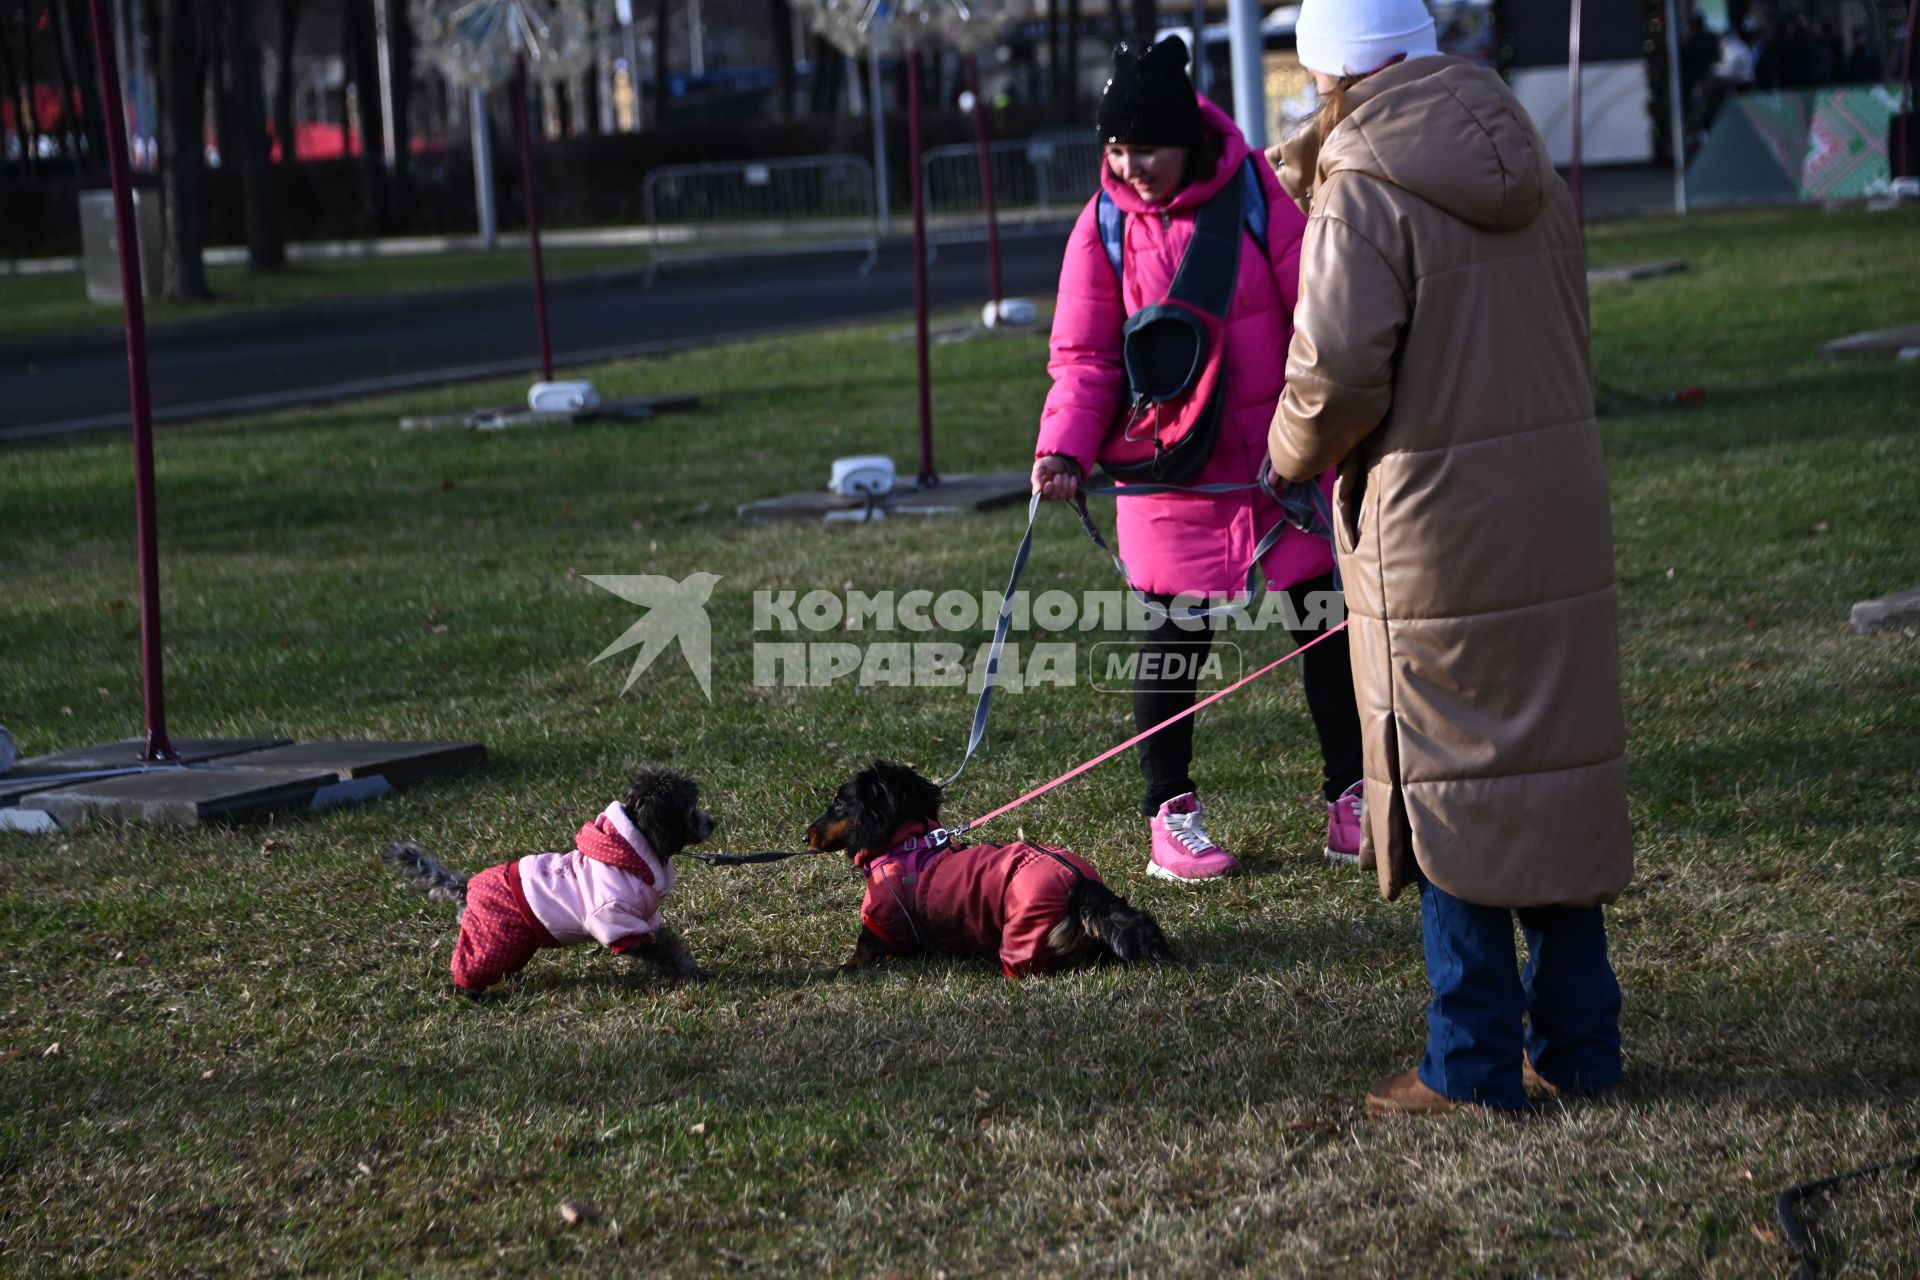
x=424 y=872
x=1131 y=935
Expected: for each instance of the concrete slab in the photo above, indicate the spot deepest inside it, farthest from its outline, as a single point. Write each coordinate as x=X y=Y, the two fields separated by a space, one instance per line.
x=954 y=494
x=1636 y=271
x=500 y=417
x=1902 y=342
x=181 y=797
x=399 y=763
x=126 y=754
x=1901 y=609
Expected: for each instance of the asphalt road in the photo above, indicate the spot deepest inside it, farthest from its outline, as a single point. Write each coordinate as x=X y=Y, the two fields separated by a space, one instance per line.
x=58 y=386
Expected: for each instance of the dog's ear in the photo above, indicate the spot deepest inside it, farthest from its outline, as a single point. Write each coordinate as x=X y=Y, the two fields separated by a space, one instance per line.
x=662 y=804
x=871 y=793
x=887 y=795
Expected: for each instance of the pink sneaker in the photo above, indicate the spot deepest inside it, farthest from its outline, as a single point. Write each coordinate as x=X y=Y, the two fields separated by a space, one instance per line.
x=1343 y=826
x=1181 y=850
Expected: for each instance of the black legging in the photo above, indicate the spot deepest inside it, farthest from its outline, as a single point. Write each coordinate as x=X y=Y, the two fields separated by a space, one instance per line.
x=1325 y=672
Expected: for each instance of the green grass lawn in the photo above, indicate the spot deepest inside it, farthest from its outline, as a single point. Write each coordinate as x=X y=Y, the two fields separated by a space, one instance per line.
x=259 y=1070
x=31 y=305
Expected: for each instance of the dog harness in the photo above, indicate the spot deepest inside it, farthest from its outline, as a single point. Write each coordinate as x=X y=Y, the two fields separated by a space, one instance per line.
x=926 y=895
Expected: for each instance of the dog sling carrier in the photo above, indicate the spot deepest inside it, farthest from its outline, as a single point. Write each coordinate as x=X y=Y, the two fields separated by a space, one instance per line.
x=1174 y=350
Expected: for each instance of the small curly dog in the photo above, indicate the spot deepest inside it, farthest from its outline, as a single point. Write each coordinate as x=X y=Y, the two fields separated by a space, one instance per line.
x=1032 y=907
x=608 y=889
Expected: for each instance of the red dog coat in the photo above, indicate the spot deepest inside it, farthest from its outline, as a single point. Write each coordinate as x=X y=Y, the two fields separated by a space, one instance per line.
x=985 y=899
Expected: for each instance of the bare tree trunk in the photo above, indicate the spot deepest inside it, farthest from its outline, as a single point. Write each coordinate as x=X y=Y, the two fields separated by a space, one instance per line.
x=590 y=84
x=220 y=77
x=660 y=35
x=182 y=147
x=76 y=49
x=1053 y=52
x=24 y=125
x=283 y=126
x=1071 y=79
x=9 y=93
x=1146 y=19
x=63 y=67
x=780 y=13
x=364 y=66
x=266 y=241
x=820 y=100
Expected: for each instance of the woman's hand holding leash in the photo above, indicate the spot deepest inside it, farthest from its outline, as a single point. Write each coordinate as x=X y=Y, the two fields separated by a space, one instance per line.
x=1056 y=478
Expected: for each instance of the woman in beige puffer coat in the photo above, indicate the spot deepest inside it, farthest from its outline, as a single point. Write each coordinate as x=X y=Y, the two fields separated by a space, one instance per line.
x=1440 y=359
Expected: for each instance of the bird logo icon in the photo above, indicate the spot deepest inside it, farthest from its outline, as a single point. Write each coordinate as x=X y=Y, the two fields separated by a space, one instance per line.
x=676 y=612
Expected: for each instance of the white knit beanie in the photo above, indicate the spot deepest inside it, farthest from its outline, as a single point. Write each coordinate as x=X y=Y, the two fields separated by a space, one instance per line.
x=1358 y=37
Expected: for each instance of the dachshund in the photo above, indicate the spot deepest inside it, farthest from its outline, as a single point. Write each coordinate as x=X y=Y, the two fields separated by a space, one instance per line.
x=608 y=889
x=1034 y=908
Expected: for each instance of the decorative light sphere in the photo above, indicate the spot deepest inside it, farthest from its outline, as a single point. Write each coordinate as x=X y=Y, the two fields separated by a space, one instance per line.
x=474 y=42
x=897 y=26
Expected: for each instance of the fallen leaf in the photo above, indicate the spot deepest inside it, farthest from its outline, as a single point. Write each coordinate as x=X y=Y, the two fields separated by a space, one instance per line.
x=576 y=1212
x=8 y=1055
x=365 y=1169
x=699 y=1128
x=275 y=846
x=116 y=606
x=207 y=1074
x=1764 y=1236
x=1822 y=527
x=52 y=1051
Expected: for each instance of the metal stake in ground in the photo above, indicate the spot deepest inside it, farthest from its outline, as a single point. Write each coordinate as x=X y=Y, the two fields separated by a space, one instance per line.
x=928 y=477
x=986 y=182
x=533 y=215
x=133 y=306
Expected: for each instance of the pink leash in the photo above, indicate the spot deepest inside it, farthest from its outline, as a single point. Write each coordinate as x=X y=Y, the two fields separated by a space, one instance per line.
x=1111 y=752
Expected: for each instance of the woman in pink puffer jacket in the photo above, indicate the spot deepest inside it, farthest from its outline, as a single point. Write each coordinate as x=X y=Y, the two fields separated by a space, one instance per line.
x=1167 y=153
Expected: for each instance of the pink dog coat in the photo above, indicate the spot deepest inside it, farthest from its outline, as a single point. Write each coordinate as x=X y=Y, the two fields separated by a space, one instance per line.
x=608 y=890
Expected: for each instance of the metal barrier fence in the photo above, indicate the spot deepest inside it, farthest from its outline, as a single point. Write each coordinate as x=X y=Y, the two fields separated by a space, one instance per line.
x=802 y=204
x=1039 y=184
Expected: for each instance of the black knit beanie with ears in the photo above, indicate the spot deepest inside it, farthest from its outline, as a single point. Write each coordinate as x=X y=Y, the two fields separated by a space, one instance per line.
x=1149 y=102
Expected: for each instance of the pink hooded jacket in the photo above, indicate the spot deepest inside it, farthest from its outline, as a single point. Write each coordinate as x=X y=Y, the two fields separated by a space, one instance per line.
x=1181 y=542
x=609 y=889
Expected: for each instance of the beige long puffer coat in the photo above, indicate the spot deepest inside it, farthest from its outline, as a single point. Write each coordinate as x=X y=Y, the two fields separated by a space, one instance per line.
x=1440 y=357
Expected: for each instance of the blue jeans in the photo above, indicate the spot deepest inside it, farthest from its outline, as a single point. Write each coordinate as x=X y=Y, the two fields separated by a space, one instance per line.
x=1567 y=996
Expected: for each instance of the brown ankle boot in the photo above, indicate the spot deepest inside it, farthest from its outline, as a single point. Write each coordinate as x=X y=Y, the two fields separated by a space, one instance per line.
x=1533 y=1082
x=1406 y=1095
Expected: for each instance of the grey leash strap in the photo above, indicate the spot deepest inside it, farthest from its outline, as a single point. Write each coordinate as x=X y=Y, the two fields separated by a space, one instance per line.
x=1256 y=580
x=1000 y=628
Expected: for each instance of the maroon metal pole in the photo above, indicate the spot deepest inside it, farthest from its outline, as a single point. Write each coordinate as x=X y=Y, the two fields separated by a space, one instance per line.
x=928 y=477
x=986 y=182
x=533 y=214
x=1573 y=108
x=133 y=306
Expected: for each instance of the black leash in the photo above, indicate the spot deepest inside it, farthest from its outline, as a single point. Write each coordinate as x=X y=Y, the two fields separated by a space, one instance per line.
x=1786 y=1206
x=743 y=859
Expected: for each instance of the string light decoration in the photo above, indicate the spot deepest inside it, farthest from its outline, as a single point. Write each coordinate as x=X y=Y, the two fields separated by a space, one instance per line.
x=474 y=43
x=893 y=27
